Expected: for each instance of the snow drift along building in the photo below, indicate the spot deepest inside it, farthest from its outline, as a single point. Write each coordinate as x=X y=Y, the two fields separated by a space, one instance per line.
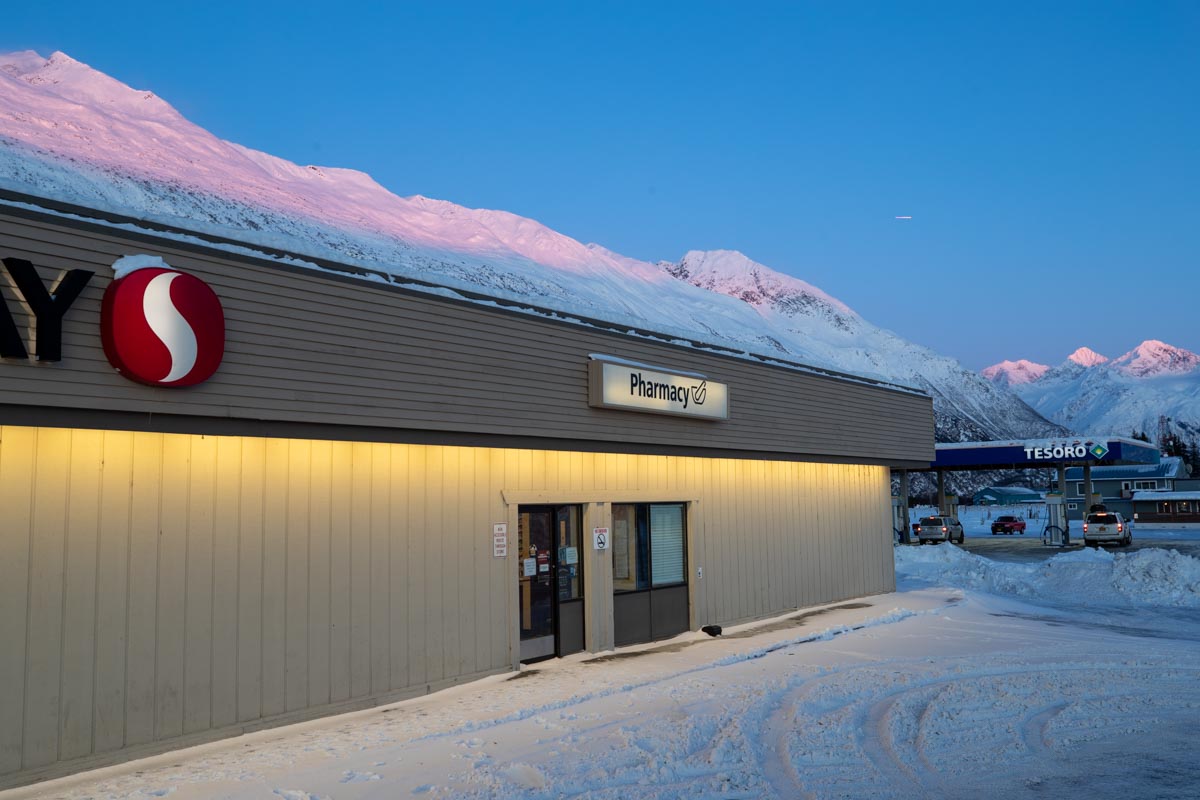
x=322 y=492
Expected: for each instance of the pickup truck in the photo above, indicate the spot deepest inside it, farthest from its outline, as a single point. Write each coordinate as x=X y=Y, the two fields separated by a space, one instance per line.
x=1009 y=524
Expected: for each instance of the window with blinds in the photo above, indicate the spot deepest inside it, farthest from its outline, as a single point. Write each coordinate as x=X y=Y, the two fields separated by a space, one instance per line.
x=648 y=546
x=667 y=557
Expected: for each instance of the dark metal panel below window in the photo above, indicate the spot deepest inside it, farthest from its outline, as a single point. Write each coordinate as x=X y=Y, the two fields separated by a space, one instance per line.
x=631 y=618
x=570 y=627
x=669 y=611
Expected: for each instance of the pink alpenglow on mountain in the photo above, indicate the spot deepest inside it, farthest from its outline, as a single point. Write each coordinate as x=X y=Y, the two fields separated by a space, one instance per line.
x=1153 y=357
x=1087 y=357
x=66 y=108
x=1131 y=393
x=1015 y=373
x=730 y=272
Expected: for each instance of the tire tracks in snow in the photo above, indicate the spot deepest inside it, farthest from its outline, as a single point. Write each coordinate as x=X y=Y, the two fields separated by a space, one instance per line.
x=930 y=738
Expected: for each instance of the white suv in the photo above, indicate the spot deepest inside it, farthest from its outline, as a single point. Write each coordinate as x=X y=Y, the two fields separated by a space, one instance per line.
x=939 y=529
x=1107 y=526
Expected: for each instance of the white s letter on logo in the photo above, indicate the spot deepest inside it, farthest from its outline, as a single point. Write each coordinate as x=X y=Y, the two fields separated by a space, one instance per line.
x=170 y=326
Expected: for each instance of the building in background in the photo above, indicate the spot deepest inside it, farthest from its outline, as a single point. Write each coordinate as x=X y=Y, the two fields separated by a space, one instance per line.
x=1177 y=508
x=1117 y=485
x=1006 y=496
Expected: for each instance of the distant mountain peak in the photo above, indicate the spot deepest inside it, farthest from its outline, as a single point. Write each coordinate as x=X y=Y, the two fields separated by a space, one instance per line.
x=1015 y=373
x=1153 y=357
x=733 y=273
x=77 y=82
x=21 y=62
x=732 y=265
x=1087 y=357
x=1130 y=393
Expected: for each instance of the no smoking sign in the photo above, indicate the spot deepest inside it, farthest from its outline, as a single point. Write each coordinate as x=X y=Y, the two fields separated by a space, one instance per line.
x=600 y=538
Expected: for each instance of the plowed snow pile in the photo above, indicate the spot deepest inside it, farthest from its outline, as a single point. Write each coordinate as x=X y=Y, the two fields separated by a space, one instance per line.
x=1095 y=578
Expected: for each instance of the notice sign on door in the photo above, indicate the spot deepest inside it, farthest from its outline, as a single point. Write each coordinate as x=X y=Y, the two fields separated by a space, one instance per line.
x=600 y=538
x=500 y=540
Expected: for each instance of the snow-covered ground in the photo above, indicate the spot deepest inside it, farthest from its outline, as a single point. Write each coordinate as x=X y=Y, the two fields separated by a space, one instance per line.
x=1077 y=676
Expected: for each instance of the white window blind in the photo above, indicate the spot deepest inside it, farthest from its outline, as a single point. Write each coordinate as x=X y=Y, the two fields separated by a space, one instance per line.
x=666 y=544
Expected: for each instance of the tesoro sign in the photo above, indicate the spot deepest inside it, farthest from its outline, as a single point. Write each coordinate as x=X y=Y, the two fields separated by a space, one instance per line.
x=628 y=386
x=1058 y=451
x=158 y=326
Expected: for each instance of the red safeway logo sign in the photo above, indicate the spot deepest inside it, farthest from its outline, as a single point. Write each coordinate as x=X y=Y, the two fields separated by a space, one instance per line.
x=162 y=327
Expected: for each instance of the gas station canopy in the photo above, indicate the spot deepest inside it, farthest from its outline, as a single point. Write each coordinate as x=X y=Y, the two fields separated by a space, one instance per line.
x=1044 y=453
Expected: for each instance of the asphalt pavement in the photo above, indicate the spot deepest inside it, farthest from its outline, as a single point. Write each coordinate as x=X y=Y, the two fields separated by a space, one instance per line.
x=1030 y=548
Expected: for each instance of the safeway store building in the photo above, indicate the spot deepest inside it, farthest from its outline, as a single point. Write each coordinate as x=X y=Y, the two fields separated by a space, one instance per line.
x=237 y=493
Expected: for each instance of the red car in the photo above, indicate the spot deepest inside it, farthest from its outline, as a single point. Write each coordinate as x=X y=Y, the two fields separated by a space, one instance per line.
x=1009 y=524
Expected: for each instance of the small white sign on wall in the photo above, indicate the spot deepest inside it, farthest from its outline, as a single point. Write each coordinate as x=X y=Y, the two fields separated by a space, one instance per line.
x=500 y=540
x=600 y=538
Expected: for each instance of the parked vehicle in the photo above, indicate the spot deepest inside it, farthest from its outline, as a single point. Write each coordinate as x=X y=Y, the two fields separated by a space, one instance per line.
x=1107 y=526
x=939 y=529
x=1008 y=524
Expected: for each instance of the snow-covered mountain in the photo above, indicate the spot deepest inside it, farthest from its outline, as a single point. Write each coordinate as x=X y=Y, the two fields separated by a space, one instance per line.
x=1012 y=373
x=1022 y=371
x=1091 y=394
x=1086 y=357
x=71 y=134
x=968 y=407
x=1152 y=357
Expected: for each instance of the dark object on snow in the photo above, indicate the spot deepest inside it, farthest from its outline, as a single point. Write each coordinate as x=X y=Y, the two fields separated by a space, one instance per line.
x=712 y=630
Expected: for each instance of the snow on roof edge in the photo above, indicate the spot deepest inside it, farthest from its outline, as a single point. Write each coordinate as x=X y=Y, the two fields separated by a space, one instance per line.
x=1148 y=495
x=81 y=214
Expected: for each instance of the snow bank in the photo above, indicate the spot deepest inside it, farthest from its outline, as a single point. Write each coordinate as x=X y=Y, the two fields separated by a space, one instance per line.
x=1143 y=579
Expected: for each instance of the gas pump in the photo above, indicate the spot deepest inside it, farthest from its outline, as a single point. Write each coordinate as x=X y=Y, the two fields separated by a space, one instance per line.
x=950 y=509
x=1057 y=532
x=900 y=527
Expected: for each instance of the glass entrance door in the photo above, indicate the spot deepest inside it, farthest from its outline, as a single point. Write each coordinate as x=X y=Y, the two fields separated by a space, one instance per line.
x=550 y=581
x=569 y=579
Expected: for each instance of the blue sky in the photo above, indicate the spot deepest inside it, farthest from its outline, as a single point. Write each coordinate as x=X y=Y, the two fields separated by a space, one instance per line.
x=1049 y=153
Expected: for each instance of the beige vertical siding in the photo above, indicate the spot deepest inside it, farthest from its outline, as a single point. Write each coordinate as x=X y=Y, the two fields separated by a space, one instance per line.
x=159 y=589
